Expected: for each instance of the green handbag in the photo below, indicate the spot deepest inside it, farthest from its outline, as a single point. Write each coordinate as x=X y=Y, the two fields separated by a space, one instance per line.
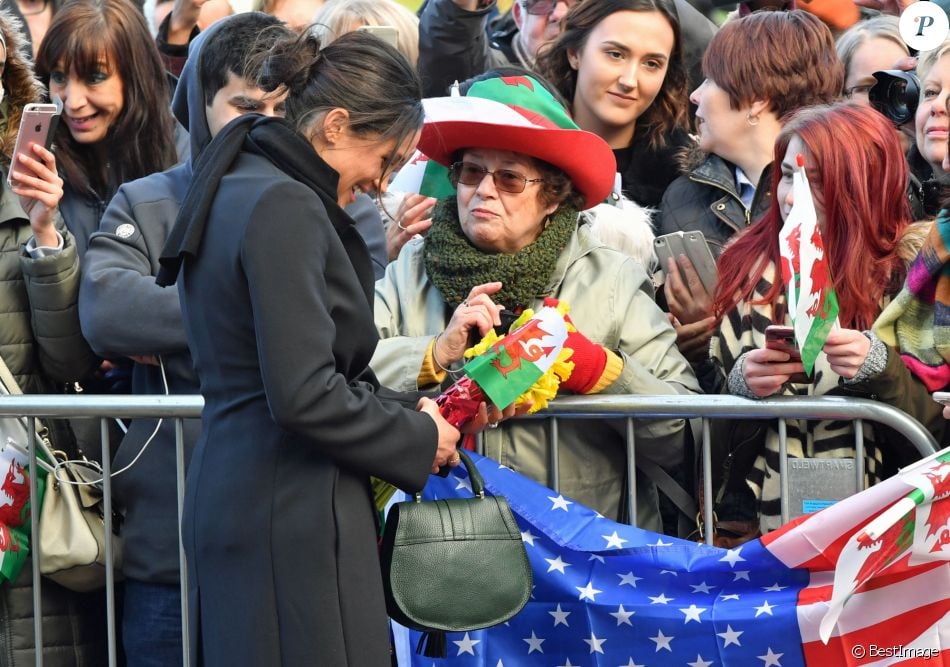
x=454 y=565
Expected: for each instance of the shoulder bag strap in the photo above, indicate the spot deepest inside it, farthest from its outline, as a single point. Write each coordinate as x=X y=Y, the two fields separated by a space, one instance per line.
x=42 y=433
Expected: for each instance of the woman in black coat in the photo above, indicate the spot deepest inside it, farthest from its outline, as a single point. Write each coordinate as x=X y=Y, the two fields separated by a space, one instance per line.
x=277 y=292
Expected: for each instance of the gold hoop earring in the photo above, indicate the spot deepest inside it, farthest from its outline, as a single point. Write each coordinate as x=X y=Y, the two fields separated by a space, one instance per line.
x=751 y=120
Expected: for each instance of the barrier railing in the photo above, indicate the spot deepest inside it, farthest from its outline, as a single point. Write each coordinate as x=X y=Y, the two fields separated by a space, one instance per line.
x=627 y=407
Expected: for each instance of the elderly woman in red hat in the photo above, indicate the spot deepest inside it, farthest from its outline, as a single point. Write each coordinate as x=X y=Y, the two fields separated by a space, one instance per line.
x=512 y=235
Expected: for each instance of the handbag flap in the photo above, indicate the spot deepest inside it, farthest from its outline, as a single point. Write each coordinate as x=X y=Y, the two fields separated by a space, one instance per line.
x=454 y=565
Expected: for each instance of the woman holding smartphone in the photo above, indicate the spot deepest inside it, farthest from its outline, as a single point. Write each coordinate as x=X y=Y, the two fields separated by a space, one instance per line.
x=276 y=290
x=740 y=110
x=100 y=60
x=869 y=240
x=42 y=345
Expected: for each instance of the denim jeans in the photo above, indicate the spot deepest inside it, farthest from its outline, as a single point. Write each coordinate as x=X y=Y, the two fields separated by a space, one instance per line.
x=151 y=624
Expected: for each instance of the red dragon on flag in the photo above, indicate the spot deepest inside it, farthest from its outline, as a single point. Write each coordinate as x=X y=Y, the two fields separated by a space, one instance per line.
x=812 y=302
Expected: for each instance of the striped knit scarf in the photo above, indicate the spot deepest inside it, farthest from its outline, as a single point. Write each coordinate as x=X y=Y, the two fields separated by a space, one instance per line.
x=917 y=322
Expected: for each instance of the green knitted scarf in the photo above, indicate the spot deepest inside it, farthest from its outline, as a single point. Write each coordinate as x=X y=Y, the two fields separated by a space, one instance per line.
x=455 y=266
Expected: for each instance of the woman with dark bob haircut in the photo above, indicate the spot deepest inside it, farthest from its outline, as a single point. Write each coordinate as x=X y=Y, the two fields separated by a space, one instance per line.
x=748 y=93
x=99 y=58
x=620 y=64
x=276 y=290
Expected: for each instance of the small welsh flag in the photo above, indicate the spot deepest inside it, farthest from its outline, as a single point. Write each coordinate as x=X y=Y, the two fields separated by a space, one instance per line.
x=812 y=302
x=15 y=509
x=512 y=365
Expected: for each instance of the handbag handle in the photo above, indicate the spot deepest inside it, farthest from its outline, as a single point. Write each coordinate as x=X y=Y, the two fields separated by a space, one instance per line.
x=475 y=477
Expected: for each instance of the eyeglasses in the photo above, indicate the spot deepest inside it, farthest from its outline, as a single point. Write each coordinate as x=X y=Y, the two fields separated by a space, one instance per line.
x=506 y=180
x=544 y=7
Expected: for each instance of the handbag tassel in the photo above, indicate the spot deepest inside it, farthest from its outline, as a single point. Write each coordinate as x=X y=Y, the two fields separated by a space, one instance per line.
x=435 y=644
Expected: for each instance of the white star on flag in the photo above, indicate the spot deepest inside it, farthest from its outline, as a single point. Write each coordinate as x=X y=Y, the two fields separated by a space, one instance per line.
x=527 y=537
x=700 y=662
x=622 y=615
x=560 y=617
x=614 y=541
x=660 y=599
x=599 y=559
x=628 y=579
x=595 y=644
x=774 y=588
x=557 y=564
x=740 y=574
x=731 y=596
x=559 y=503
x=568 y=664
x=692 y=613
x=771 y=659
x=732 y=557
x=588 y=591
x=534 y=643
x=662 y=641
x=766 y=608
x=632 y=664
x=730 y=636
x=466 y=645
x=463 y=484
x=701 y=588
x=660 y=543
x=673 y=572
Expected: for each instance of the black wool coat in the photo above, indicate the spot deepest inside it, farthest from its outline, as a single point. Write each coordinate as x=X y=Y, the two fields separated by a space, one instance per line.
x=279 y=526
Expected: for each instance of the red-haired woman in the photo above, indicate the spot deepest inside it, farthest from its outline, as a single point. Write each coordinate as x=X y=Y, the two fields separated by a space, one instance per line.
x=858 y=180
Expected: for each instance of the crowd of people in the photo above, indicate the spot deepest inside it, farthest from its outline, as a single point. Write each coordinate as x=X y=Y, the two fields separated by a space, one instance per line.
x=212 y=216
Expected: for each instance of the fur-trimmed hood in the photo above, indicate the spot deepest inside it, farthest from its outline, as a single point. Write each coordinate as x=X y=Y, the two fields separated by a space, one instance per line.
x=689 y=157
x=20 y=84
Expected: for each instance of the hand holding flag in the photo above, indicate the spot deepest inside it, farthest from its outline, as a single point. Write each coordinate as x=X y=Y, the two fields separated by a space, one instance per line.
x=812 y=302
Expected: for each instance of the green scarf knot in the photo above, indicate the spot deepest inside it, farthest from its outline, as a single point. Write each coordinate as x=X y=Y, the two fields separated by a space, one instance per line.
x=455 y=266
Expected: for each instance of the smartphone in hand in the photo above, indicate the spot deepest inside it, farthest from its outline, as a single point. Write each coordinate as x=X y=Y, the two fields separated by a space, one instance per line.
x=693 y=245
x=780 y=337
x=37 y=126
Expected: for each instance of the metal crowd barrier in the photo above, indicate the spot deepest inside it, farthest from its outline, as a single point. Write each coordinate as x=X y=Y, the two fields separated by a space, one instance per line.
x=576 y=407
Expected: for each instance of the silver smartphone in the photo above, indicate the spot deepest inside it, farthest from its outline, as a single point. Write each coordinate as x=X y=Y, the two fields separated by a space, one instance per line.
x=693 y=245
x=387 y=33
x=37 y=126
x=942 y=397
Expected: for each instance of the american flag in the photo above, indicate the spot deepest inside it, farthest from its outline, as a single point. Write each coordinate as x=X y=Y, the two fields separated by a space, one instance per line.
x=612 y=595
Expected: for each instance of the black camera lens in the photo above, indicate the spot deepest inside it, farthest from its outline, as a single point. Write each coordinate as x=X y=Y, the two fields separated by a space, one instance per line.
x=895 y=94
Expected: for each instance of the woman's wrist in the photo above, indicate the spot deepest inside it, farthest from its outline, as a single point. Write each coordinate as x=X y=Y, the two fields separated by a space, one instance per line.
x=435 y=355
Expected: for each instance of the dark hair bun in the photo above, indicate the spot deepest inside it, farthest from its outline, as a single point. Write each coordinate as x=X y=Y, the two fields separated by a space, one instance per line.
x=291 y=62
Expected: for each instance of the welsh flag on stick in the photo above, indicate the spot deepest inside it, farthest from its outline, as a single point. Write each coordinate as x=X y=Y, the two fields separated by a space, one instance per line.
x=812 y=303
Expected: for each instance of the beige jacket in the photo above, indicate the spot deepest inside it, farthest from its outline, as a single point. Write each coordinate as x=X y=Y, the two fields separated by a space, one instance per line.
x=611 y=302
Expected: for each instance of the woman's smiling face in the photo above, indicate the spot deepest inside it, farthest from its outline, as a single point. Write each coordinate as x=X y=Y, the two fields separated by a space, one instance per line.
x=91 y=103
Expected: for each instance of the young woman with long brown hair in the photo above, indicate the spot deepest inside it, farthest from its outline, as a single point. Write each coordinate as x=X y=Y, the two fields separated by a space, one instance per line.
x=620 y=64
